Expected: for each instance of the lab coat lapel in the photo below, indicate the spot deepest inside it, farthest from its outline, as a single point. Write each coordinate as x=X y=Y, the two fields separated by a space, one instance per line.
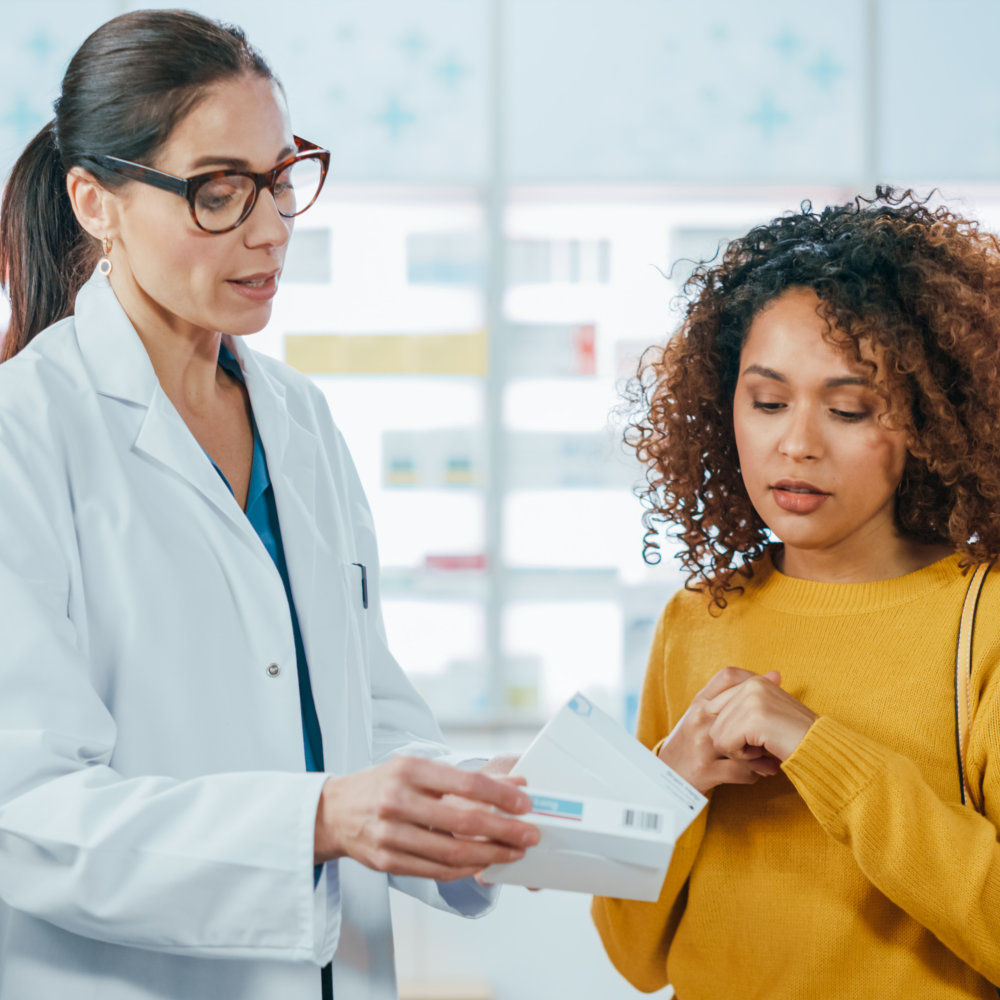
x=319 y=562
x=120 y=369
x=165 y=439
x=292 y=451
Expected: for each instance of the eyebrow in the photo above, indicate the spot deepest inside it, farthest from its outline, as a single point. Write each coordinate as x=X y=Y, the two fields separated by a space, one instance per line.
x=235 y=162
x=830 y=383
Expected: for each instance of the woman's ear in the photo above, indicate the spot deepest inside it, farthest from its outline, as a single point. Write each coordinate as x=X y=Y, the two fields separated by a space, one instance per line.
x=95 y=207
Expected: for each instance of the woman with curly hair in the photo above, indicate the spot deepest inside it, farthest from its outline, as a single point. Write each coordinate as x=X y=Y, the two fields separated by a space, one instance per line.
x=823 y=433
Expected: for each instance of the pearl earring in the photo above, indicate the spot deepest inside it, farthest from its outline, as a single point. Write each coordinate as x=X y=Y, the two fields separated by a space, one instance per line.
x=105 y=266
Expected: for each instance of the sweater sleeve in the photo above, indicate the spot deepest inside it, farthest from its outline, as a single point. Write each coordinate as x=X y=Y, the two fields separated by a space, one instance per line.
x=637 y=935
x=938 y=861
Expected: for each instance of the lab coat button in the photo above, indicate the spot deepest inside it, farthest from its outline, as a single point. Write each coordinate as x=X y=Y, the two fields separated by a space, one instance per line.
x=273 y=670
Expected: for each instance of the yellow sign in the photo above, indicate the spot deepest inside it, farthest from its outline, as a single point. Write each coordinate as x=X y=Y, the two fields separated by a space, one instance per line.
x=388 y=354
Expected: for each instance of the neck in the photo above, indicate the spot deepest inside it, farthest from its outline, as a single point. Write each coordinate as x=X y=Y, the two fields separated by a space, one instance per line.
x=185 y=357
x=898 y=557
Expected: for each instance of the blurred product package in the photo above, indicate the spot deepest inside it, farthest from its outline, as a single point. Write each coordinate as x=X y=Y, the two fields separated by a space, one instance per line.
x=609 y=811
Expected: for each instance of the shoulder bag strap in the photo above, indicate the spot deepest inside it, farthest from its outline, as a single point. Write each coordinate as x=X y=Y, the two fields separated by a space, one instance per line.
x=963 y=672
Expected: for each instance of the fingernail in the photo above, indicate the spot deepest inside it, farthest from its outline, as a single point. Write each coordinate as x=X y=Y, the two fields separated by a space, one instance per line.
x=530 y=838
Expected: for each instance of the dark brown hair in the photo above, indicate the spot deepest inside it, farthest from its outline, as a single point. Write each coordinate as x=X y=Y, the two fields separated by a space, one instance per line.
x=126 y=88
x=919 y=284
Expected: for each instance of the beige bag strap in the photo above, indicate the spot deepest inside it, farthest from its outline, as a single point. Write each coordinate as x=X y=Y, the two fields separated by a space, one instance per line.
x=963 y=672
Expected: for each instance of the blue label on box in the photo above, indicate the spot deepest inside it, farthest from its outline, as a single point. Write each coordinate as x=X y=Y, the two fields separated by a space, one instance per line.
x=564 y=808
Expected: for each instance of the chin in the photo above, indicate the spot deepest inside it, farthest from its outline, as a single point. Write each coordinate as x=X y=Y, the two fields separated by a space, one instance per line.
x=247 y=324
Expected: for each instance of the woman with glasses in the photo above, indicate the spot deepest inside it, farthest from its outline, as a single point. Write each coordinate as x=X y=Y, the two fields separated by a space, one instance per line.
x=211 y=767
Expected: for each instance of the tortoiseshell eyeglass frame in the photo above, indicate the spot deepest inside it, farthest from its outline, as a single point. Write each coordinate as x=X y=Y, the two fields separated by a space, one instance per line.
x=187 y=187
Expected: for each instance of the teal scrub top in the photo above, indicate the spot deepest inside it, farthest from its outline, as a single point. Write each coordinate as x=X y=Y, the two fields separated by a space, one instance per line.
x=262 y=513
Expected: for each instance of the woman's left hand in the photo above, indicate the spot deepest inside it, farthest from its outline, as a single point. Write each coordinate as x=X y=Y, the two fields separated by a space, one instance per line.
x=758 y=714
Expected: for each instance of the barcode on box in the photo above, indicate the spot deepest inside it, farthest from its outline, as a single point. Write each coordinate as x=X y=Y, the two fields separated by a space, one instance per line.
x=642 y=820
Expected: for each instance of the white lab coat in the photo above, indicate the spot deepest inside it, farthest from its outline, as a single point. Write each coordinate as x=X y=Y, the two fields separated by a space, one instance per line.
x=156 y=821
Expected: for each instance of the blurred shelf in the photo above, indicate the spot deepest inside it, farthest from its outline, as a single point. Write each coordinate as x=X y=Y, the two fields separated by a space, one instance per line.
x=562 y=583
x=445 y=989
x=401 y=583
x=453 y=727
x=521 y=584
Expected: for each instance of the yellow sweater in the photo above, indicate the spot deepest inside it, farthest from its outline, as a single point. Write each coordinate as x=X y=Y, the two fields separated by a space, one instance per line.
x=856 y=872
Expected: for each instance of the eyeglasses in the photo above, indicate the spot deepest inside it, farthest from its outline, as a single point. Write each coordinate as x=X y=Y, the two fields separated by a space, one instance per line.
x=223 y=199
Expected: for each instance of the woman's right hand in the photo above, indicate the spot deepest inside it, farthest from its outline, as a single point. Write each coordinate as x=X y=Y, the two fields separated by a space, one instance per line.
x=690 y=751
x=396 y=817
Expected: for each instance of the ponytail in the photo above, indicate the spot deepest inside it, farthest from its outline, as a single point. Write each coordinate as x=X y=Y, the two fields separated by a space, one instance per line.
x=43 y=251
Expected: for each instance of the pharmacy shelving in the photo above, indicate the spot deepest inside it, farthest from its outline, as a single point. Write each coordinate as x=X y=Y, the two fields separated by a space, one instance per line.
x=489 y=438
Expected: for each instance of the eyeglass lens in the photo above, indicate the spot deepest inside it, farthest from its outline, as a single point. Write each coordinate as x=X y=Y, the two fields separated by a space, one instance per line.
x=220 y=202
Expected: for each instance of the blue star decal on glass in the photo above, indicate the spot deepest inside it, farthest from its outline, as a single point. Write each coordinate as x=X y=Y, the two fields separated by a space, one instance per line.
x=787 y=43
x=451 y=72
x=824 y=71
x=41 y=45
x=22 y=118
x=413 y=43
x=395 y=118
x=769 y=117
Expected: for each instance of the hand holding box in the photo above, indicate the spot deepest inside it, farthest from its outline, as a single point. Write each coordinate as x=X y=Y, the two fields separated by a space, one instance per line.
x=610 y=828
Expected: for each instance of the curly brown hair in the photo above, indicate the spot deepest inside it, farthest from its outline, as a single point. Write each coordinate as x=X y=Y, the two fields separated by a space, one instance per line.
x=920 y=285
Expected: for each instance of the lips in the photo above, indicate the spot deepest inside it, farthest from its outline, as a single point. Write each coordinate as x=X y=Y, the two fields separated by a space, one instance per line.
x=797 y=496
x=255 y=288
x=797 y=486
x=255 y=280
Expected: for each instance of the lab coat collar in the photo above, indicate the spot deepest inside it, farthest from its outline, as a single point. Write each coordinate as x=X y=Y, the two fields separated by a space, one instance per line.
x=112 y=351
x=292 y=451
x=120 y=368
x=291 y=447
